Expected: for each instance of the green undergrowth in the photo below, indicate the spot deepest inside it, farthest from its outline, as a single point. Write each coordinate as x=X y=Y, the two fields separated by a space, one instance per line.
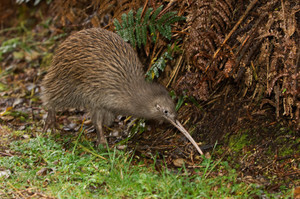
x=82 y=171
x=269 y=155
x=282 y=142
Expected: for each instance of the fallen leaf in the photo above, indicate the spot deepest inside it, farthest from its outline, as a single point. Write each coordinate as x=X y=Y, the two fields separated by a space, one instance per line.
x=178 y=162
x=7 y=118
x=32 y=55
x=207 y=155
x=18 y=101
x=43 y=171
x=5 y=173
x=6 y=110
x=18 y=55
x=121 y=147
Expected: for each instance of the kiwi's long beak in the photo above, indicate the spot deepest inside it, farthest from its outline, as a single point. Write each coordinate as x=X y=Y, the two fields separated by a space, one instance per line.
x=179 y=126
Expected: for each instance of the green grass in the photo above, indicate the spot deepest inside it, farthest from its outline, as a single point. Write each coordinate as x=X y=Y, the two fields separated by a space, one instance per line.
x=43 y=164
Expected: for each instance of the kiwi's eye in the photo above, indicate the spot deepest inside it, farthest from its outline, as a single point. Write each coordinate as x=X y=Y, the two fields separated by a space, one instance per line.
x=166 y=112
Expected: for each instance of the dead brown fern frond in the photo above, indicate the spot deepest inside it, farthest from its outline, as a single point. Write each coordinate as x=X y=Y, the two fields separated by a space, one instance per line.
x=95 y=13
x=255 y=43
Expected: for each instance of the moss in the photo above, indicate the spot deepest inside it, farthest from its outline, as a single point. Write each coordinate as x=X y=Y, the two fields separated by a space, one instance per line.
x=238 y=142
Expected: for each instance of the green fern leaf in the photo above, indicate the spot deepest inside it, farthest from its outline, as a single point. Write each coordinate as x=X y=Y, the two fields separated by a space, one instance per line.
x=135 y=29
x=155 y=13
x=125 y=36
x=167 y=54
x=168 y=32
x=152 y=32
x=139 y=16
x=147 y=16
x=139 y=27
x=159 y=65
x=165 y=17
x=144 y=35
x=164 y=30
x=138 y=33
x=124 y=20
x=160 y=29
x=118 y=26
x=175 y=19
x=130 y=28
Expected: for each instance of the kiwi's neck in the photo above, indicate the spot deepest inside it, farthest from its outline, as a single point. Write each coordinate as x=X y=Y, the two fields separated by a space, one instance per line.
x=141 y=99
x=132 y=98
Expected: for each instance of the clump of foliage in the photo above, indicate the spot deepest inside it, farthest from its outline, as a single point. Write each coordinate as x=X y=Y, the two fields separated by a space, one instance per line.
x=135 y=28
x=157 y=66
x=8 y=46
x=138 y=28
x=254 y=43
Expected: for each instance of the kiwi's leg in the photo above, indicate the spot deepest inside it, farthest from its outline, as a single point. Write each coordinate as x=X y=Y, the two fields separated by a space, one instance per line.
x=50 y=121
x=100 y=134
x=98 y=118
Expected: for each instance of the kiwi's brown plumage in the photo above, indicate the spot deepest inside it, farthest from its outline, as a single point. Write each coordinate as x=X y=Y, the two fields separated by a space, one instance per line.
x=96 y=70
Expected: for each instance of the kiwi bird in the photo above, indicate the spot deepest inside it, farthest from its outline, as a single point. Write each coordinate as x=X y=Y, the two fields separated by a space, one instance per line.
x=98 y=71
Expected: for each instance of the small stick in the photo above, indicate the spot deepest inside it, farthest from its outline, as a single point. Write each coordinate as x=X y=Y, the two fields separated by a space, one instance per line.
x=175 y=71
x=18 y=191
x=87 y=150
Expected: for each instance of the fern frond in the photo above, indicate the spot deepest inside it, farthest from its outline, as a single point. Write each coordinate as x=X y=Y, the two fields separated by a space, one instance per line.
x=155 y=13
x=166 y=16
x=147 y=15
x=124 y=32
x=152 y=32
x=131 y=30
x=145 y=25
x=135 y=28
x=138 y=28
x=159 y=65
